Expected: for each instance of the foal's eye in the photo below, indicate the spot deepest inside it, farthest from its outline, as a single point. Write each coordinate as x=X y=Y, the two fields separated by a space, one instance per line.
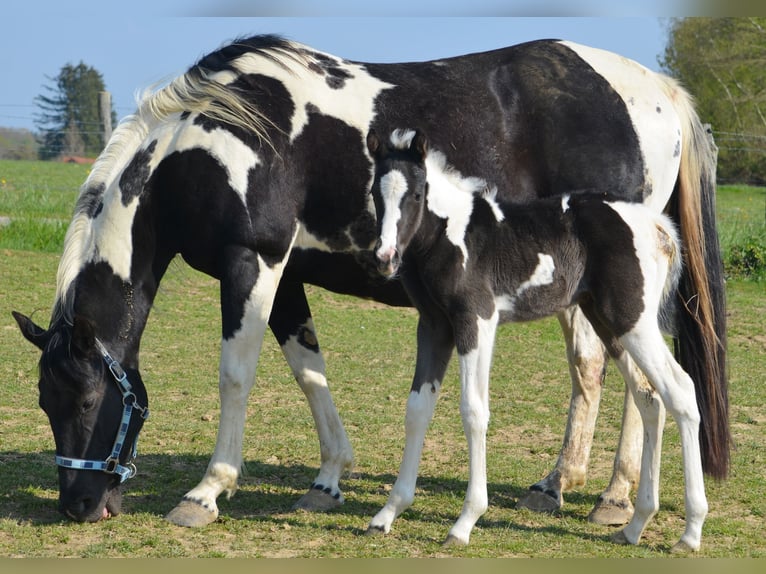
x=418 y=196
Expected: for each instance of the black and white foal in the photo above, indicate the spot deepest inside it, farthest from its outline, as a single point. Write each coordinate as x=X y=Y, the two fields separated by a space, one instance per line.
x=471 y=262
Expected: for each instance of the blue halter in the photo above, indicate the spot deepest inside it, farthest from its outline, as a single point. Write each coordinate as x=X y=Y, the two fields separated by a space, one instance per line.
x=112 y=464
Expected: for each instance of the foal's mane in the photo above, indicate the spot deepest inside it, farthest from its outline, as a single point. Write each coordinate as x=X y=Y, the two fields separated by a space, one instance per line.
x=207 y=88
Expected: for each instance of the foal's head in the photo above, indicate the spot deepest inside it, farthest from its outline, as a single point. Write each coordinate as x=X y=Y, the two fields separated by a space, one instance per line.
x=399 y=192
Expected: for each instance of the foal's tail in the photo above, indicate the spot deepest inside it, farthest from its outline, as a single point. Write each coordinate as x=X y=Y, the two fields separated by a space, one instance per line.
x=701 y=303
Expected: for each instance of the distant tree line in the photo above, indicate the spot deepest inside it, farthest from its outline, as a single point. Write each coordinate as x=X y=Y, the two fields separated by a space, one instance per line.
x=722 y=62
x=17 y=144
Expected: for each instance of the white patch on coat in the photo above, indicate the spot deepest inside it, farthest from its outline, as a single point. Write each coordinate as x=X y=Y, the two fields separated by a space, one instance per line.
x=564 y=203
x=234 y=156
x=657 y=247
x=353 y=103
x=450 y=196
x=652 y=112
x=541 y=276
x=401 y=138
x=490 y=196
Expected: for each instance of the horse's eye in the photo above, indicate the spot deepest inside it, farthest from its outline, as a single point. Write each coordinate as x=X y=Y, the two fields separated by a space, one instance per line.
x=418 y=196
x=88 y=404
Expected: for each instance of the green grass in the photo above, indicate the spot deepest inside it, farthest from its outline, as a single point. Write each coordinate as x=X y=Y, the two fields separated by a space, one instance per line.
x=370 y=355
x=742 y=231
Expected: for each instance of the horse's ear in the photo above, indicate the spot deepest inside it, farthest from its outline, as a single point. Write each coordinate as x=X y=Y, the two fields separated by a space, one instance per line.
x=420 y=144
x=33 y=333
x=373 y=143
x=83 y=335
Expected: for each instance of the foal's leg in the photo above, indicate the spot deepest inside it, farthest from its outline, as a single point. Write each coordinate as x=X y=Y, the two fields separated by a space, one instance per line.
x=246 y=320
x=676 y=389
x=435 y=345
x=291 y=323
x=474 y=409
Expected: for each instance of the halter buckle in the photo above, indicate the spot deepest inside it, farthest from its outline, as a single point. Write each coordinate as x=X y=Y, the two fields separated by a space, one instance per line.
x=111 y=465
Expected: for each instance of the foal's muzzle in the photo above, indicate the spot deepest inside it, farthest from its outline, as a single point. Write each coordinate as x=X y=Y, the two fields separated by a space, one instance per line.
x=388 y=260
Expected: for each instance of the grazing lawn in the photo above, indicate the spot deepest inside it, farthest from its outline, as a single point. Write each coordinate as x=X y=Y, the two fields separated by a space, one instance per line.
x=369 y=350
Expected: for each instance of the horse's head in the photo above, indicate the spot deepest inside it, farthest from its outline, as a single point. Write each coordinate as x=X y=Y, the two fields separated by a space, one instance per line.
x=94 y=412
x=399 y=192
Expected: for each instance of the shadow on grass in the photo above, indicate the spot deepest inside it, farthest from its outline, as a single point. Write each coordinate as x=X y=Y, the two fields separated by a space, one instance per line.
x=267 y=493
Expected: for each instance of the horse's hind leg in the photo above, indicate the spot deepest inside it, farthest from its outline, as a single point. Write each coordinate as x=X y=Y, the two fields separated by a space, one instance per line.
x=587 y=363
x=247 y=294
x=676 y=390
x=291 y=323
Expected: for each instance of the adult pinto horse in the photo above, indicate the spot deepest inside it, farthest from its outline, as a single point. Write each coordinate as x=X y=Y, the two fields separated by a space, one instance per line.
x=253 y=167
x=471 y=262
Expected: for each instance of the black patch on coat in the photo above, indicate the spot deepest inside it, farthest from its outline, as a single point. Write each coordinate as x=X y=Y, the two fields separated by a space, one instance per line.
x=91 y=200
x=534 y=119
x=136 y=174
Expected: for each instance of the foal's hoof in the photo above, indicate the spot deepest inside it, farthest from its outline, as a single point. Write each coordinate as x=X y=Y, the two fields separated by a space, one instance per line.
x=611 y=512
x=191 y=514
x=316 y=500
x=453 y=540
x=620 y=538
x=682 y=547
x=374 y=531
x=539 y=501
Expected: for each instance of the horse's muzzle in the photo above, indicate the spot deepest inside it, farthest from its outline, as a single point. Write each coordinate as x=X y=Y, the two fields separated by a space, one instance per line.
x=388 y=261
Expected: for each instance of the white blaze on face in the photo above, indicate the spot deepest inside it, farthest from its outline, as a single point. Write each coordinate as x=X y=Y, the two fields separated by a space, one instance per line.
x=393 y=186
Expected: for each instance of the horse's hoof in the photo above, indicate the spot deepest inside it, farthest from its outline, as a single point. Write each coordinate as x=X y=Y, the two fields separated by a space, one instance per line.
x=620 y=538
x=611 y=512
x=538 y=501
x=317 y=501
x=453 y=540
x=374 y=531
x=682 y=547
x=191 y=514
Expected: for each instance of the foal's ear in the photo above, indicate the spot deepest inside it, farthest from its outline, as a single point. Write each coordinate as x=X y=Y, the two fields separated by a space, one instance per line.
x=83 y=335
x=33 y=333
x=373 y=143
x=420 y=144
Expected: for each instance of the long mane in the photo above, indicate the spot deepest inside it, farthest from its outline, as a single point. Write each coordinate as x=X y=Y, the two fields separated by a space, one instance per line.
x=207 y=88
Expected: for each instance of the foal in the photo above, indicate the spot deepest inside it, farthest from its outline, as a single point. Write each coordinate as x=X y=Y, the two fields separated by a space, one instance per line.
x=470 y=263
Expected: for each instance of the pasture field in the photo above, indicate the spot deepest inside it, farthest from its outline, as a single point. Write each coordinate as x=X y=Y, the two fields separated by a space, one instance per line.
x=369 y=350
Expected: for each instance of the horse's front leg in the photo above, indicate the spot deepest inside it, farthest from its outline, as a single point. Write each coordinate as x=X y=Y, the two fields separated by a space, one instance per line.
x=474 y=410
x=435 y=345
x=247 y=294
x=291 y=323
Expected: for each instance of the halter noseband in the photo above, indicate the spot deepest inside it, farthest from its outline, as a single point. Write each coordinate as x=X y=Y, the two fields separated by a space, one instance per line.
x=112 y=464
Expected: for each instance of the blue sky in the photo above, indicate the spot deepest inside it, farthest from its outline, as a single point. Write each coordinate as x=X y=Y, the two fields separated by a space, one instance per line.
x=139 y=43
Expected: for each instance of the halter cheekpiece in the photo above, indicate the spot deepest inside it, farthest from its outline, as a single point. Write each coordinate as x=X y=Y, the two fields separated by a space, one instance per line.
x=112 y=464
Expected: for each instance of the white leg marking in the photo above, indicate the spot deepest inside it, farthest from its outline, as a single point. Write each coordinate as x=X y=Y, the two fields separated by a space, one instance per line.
x=586 y=357
x=676 y=389
x=239 y=359
x=337 y=456
x=420 y=410
x=474 y=409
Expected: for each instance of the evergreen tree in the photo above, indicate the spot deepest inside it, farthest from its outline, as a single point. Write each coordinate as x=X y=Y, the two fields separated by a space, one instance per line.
x=69 y=120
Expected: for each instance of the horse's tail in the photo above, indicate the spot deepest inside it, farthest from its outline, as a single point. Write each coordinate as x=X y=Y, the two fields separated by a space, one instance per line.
x=701 y=302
